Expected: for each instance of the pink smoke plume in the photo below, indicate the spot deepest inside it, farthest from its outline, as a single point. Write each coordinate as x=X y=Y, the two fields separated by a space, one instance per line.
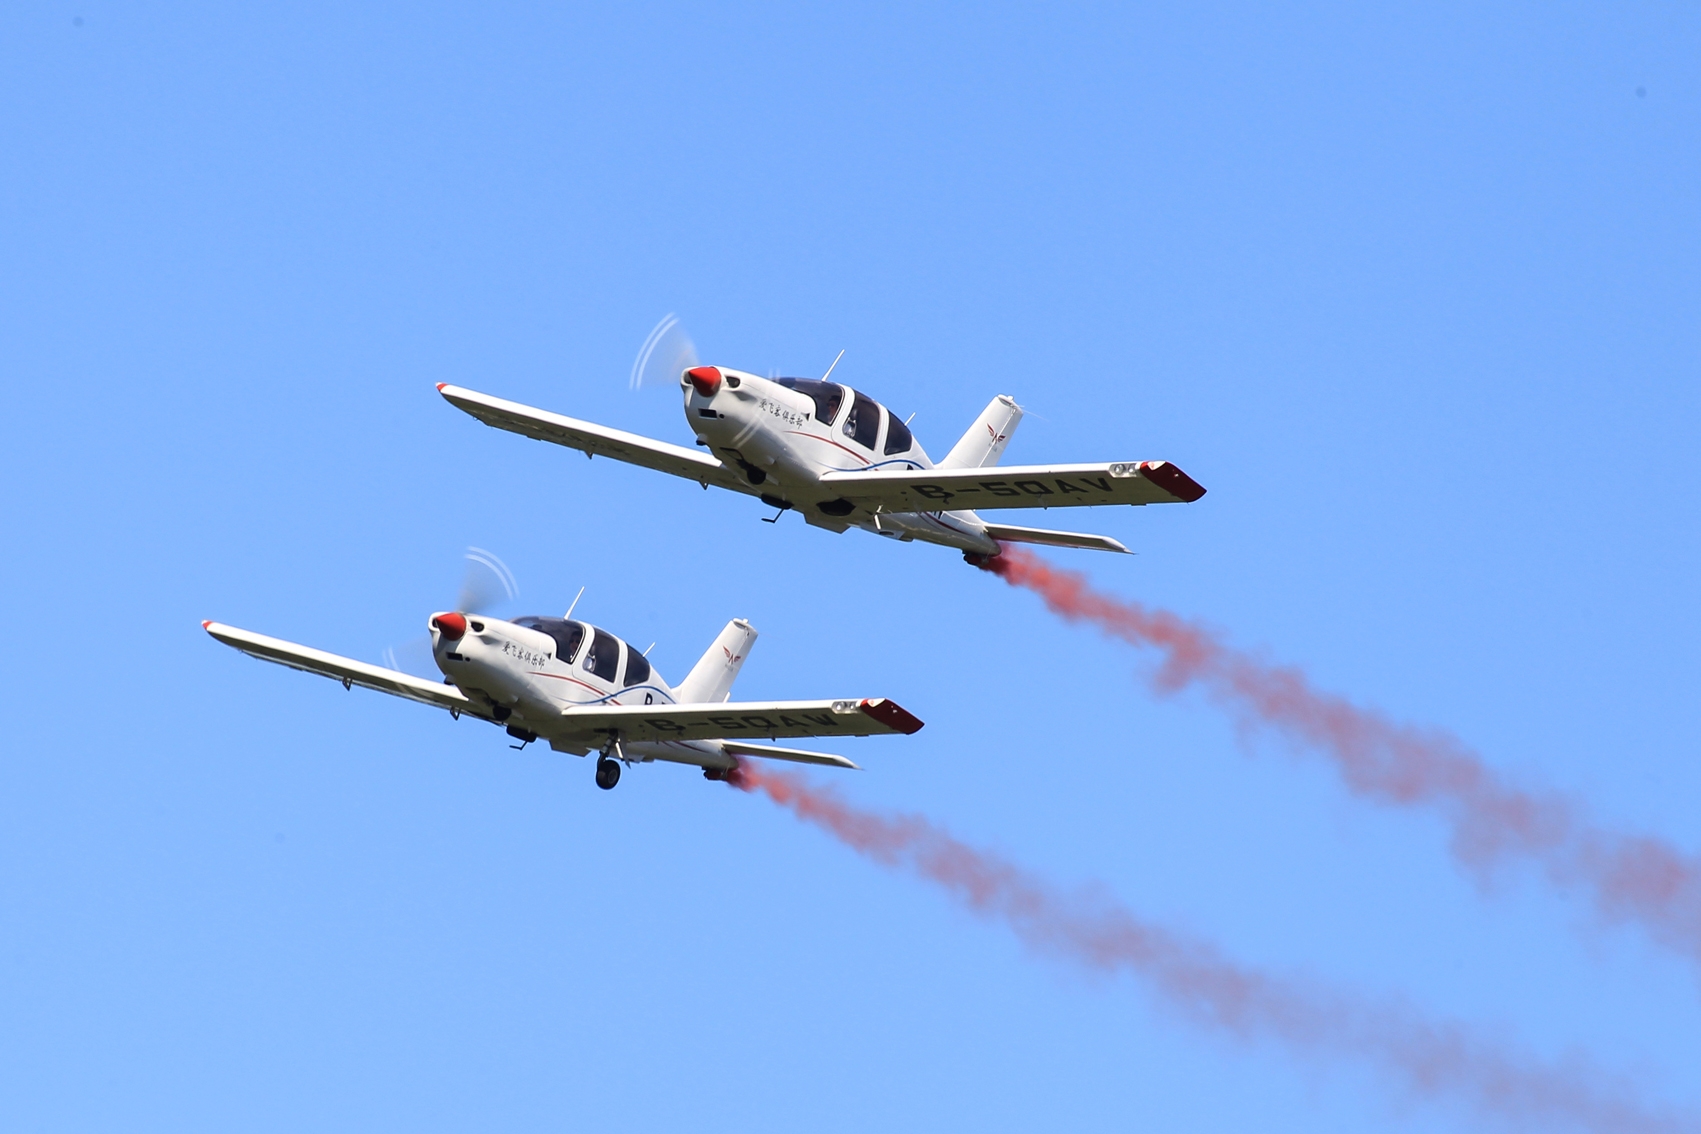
x=1435 y=1060
x=1628 y=877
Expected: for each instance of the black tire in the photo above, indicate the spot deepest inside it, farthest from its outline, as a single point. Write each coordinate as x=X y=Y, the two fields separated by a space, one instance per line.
x=608 y=773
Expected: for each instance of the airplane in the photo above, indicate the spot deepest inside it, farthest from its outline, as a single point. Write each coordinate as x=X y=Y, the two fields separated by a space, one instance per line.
x=843 y=460
x=582 y=689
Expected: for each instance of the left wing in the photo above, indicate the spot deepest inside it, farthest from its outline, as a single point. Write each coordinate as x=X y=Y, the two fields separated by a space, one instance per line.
x=346 y=670
x=1016 y=486
x=734 y=720
x=599 y=440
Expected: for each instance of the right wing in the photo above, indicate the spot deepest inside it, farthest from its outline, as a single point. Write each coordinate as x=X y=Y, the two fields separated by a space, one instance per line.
x=346 y=670
x=595 y=439
x=1017 y=486
x=730 y=720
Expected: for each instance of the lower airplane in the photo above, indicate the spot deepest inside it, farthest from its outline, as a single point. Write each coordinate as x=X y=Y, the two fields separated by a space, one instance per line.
x=841 y=459
x=583 y=690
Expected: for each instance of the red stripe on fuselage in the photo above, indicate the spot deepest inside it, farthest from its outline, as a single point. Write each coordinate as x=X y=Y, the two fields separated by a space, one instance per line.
x=830 y=441
x=574 y=680
x=592 y=688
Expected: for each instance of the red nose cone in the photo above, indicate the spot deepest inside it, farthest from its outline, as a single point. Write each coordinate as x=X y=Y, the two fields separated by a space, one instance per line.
x=451 y=626
x=705 y=380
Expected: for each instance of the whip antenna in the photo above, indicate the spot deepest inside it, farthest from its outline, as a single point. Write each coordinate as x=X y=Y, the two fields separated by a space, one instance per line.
x=829 y=373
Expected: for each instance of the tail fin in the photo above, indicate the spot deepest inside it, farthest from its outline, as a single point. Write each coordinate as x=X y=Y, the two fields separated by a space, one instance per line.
x=984 y=443
x=710 y=680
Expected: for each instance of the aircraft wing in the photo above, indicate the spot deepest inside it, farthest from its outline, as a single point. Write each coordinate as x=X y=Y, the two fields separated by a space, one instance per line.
x=1016 y=486
x=598 y=440
x=733 y=720
x=346 y=670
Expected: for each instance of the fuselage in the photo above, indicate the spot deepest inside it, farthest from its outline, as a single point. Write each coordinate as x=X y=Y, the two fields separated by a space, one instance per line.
x=781 y=434
x=532 y=670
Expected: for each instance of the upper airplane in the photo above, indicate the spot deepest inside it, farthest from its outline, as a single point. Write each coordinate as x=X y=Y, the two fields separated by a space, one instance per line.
x=842 y=460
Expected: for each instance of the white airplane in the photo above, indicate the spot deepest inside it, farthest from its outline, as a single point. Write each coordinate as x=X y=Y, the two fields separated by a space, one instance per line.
x=842 y=459
x=581 y=689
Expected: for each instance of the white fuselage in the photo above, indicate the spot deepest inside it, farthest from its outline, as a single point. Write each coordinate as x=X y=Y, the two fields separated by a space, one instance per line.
x=533 y=670
x=782 y=434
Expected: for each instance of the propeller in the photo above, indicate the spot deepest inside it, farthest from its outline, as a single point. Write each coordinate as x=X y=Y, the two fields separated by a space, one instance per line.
x=486 y=585
x=666 y=353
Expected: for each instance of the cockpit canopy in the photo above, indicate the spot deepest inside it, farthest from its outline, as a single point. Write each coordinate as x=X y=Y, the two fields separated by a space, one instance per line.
x=828 y=396
x=862 y=423
x=602 y=659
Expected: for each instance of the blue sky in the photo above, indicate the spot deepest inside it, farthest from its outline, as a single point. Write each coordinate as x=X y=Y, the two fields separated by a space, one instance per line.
x=1412 y=293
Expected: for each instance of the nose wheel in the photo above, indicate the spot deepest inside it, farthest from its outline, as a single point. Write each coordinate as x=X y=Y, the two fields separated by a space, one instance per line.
x=608 y=773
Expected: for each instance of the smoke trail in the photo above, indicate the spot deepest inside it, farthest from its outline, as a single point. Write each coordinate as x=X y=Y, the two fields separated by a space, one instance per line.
x=1628 y=877
x=1438 y=1061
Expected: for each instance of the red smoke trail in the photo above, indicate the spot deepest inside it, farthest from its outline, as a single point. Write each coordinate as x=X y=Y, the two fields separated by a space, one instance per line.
x=1439 y=1061
x=1631 y=878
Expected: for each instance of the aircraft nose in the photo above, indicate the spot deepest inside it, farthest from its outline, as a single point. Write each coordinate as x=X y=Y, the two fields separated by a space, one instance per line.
x=450 y=625
x=704 y=379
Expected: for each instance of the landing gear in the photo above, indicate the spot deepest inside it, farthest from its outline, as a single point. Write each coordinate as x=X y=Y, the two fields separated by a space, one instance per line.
x=608 y=772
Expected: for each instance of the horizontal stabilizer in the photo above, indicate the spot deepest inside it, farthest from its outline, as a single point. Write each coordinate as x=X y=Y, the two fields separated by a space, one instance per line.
x=1006 y=533
x=1015 y=486
x=796 y=755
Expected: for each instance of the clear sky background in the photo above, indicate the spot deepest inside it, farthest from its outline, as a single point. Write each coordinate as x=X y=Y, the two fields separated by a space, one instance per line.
x=1412 y=292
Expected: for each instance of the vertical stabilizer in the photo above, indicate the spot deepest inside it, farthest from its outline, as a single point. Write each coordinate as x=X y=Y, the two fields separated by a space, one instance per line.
x=710 y=680
x=984 y=443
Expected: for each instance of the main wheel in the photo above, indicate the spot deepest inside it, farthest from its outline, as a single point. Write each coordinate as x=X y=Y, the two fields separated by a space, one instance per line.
x=608 y=773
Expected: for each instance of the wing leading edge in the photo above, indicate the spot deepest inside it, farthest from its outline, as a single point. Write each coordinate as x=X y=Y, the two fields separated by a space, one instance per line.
x=346 y=670
x=598 y=440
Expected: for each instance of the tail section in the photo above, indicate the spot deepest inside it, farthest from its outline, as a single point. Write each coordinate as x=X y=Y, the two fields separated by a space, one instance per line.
x=710 y=680
x=984 y=443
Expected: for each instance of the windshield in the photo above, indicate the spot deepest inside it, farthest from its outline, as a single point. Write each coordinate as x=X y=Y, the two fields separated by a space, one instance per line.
x=827 y=396
x=567 y=634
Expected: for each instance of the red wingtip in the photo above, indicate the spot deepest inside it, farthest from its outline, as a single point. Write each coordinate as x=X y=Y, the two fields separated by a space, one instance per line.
x=1172 y=480
x=440 y=386
x=892 y=715
x=206 y=622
